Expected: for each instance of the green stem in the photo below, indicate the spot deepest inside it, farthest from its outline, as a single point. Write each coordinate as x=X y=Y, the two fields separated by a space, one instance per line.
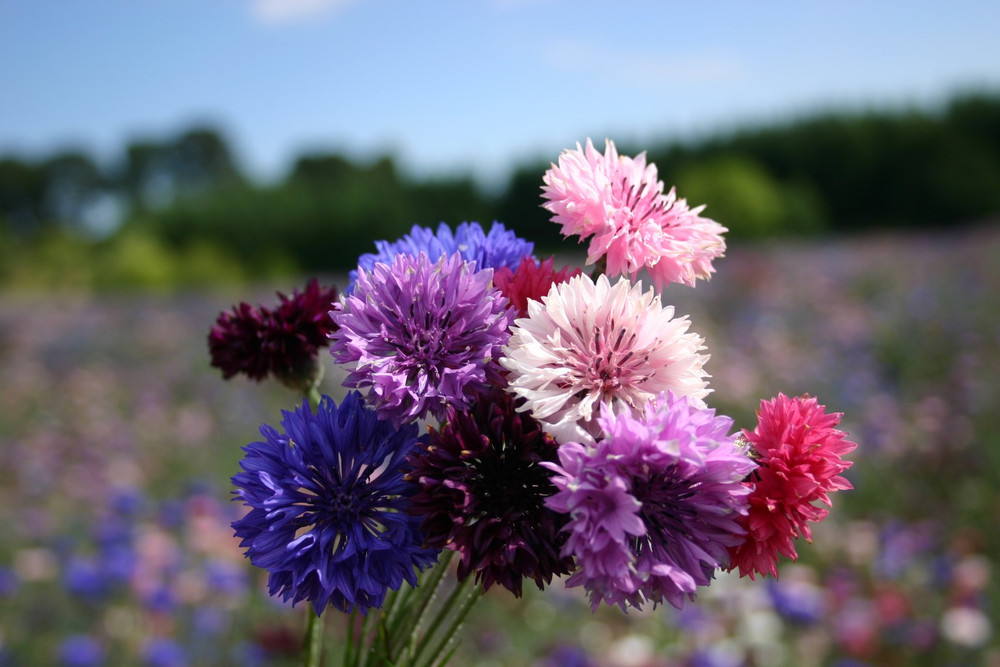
x=350 y=646
x=314 y=396
x=468 y=592
x=448 y=638
x=431 y=587
x=313 y=646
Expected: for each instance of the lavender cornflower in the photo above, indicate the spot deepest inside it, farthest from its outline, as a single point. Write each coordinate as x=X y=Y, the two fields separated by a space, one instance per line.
x=422 y=335
x=654 y=504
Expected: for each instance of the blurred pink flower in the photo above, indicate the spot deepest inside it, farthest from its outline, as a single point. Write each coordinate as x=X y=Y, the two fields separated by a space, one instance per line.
x=619 y=201
x=799 y=452
x=588 y=343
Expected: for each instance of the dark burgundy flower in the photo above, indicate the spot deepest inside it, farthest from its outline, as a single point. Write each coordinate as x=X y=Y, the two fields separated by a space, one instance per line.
x=284 y=341
x=482 y=494
x=236 y=342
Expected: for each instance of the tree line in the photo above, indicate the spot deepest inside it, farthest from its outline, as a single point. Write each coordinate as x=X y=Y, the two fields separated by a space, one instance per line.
x=186 y=201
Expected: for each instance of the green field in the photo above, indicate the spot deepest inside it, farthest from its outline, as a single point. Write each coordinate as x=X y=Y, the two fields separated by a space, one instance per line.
x=117 y=441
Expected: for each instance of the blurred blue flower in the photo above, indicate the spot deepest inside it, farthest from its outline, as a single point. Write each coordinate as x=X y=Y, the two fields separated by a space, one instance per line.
x=796 y=601
x=81 y=651
x=83 y=576
x=226 y=578
x=9 y=582
x=162 y=652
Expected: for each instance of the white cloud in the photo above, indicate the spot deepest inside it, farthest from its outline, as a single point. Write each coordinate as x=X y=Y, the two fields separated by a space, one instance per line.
x=647 y=69
x=282 y=12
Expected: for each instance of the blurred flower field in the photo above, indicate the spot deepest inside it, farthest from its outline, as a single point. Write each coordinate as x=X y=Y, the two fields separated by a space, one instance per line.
x=117 y=441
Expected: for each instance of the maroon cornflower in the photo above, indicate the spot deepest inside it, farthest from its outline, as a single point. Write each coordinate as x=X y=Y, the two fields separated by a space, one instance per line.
x=531 y=280
x=284 y=341
x=482 y=494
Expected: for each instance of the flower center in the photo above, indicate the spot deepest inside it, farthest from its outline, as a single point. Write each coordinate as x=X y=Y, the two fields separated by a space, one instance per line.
x=665 y=510
x=609 y=370
x=510 y=485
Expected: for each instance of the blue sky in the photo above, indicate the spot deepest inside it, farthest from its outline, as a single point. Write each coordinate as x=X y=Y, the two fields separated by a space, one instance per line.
x=457 y=86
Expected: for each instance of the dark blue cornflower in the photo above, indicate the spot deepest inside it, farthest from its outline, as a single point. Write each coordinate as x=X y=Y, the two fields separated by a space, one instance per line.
x=499 y=247
x=328 y=504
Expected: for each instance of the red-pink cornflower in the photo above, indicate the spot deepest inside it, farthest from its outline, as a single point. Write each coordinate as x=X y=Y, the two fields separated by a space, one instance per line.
x=799 y=453
x=531 y=280
x=619 y=201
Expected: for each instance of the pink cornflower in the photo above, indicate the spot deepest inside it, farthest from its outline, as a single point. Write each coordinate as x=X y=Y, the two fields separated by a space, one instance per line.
x=799 y=452
x=619 y=201
x=587 y=343
x=531 y=280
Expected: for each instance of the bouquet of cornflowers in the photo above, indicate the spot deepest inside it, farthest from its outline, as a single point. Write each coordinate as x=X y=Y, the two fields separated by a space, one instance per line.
x=524 y=420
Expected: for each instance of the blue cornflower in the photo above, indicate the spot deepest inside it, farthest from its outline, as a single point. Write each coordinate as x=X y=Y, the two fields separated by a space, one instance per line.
x=328 y=500
x=500 y=247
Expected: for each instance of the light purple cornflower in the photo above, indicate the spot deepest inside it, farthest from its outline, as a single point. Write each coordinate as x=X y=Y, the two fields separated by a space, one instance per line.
x=654 y=504
x=422 y=335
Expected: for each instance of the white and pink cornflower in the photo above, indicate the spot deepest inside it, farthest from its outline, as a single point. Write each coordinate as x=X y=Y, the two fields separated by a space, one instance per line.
x=618 y=202
x=590 y=342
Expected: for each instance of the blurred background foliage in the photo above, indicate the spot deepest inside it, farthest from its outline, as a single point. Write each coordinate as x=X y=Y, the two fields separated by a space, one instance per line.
x=181 y=212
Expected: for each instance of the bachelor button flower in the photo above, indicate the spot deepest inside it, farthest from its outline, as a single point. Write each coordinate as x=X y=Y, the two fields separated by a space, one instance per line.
x=654 y=505
x=328 y=504
x=483 y=491
x=588 y=343
x=531 y=280
x=799 y=452
x=619 y=201
x=284 y=341
x=423 y=335
x=500 y=247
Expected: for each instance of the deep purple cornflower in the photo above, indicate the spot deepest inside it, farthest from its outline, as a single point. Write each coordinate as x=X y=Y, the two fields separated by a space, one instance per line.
x=283 y=341
x=482 y=494
x=328 y=503
x=422 y=335
x=500 y=247
x=654 y=504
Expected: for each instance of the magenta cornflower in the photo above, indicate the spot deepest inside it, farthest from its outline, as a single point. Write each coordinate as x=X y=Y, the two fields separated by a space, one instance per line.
x=653 y=506
x=284 y=341
x=422 y=335
x=618 y=202
x=589 y=342
x=482 y=494
x=531 y=280
x=800 y=456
